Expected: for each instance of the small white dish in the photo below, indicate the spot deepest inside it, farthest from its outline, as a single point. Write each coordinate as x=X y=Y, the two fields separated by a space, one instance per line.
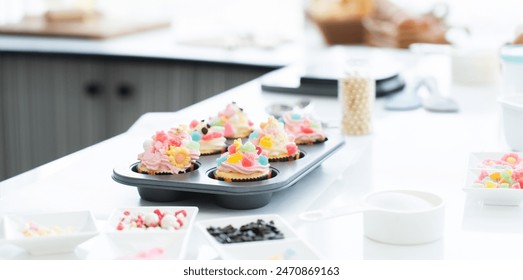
x=489 y=196
x=150 y=243
x=59 y=232
x=291 y=247
x=400 y=217
x=502 y=197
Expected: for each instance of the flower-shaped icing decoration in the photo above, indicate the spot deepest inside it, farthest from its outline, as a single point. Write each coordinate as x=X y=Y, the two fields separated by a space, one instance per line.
x=511 y=158
x=168 y=152
x=179 y=156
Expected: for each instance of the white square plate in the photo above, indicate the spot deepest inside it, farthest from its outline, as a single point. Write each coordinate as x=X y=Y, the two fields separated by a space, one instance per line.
x=476 y=159
x=489 y=196
x=150 y=244
x=77 y=227
x=291 y=247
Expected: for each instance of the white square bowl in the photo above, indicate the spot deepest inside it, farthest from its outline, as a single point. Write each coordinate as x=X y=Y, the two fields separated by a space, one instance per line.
x=150 y=244
x=290 y=247
x=80 y=227
x=489 y=196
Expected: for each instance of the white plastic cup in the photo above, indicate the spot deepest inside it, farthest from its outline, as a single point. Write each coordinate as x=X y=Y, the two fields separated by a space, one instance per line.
x=475 y=66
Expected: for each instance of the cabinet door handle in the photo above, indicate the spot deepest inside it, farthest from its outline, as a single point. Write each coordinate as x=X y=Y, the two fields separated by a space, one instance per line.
x=93 y=89
x=125 y=91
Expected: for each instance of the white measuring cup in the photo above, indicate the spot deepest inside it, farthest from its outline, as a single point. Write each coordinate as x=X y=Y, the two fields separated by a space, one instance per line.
x=403 y=217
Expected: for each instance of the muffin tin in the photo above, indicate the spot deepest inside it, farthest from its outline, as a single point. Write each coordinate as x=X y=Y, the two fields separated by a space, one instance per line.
x=233 y=195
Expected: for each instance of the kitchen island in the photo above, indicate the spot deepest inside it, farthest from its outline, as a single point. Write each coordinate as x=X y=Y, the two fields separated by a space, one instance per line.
x=407 y=150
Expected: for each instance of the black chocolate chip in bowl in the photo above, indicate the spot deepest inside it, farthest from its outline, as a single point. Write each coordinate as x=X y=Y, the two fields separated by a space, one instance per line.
x=254 y=231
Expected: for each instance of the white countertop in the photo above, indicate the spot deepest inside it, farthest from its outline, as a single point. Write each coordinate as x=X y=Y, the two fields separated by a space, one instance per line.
x=157 y=44
x=412 y=149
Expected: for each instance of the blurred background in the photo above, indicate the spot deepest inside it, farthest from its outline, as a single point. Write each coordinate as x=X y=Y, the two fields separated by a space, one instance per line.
x=391 y=23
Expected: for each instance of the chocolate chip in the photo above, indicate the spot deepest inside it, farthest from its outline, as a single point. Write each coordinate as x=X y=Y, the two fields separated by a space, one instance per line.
x=205 y=130
x=208 y=125
x=254 y=231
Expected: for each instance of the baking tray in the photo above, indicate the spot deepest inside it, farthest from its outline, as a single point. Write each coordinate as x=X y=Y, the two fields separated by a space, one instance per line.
x=233 y=195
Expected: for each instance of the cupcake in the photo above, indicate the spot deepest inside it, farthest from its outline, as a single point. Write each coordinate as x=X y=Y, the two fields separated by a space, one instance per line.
x=234 y=121
x=272 y=139
x=209 y=137
x=304 y=130
x=242 y=163
x=171 y=152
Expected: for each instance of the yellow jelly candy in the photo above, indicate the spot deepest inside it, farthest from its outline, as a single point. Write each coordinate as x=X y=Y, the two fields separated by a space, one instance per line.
x=266 y=142
x=495 y=176
x=238 y=143
x=235 y=158
x=490 y=185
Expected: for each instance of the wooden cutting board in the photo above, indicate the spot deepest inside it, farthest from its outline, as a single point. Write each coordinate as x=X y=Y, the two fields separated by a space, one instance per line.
x=100 y=28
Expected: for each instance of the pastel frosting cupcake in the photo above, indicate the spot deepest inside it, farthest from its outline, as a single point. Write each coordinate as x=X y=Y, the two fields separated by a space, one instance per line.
x=234 y=121
x=241 y=163
x=272 y=139
x=304 y=130
x=171 y=152
x=210 y=138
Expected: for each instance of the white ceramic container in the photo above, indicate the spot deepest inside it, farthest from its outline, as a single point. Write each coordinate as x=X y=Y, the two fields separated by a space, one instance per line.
x=401 y=217
x=60 y=232
x=291 y=247
x=152 y=243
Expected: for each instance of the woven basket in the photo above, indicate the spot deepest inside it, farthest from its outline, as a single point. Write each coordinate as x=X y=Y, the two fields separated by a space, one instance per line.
x=341 y=31
x=340 y=21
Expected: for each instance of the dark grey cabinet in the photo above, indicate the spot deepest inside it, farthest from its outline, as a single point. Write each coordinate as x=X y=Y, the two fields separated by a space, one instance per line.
x=53 y=105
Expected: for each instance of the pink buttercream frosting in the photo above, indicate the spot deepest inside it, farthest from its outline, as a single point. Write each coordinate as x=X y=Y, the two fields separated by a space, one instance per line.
x=303 y=128
x=243 y=158
x=234 y=120
x=169 y=152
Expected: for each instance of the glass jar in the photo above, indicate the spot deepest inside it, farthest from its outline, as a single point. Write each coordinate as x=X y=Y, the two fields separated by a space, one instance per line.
x=356 y=94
